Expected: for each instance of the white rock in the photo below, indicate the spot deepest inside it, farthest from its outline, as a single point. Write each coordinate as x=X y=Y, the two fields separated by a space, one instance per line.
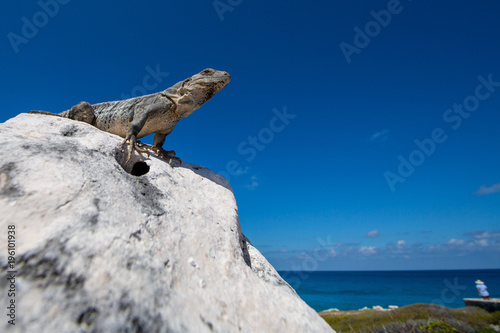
x=332 y=310
x=101 y=250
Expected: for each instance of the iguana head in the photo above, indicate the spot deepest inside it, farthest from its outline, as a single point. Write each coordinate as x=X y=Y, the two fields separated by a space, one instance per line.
x=192 y=93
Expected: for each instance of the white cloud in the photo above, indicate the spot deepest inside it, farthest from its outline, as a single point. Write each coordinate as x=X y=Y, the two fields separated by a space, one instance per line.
x=373 y=234
x=481 y=234
x=485 y=190
x=242 y=171
x=463 y=246
x=482 y=242
x=455 y=241
x=472 y=243
x=397 y=248
x=367 y=250
x=254 y=183
x=381 y=135
x=345 y=244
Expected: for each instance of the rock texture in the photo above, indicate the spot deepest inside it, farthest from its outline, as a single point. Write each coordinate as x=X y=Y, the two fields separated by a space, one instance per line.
x=490 y=305
x=99 y=249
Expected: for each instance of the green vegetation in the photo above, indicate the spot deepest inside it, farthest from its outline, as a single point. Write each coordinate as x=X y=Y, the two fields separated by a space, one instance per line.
x=439 y=326
x=416 y=318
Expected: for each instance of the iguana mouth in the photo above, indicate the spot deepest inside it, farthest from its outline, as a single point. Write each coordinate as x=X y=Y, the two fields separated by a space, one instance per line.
x=209 y=80
x=201 y=82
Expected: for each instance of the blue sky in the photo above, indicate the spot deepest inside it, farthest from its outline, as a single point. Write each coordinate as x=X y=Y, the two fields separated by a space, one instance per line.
x=357 y=135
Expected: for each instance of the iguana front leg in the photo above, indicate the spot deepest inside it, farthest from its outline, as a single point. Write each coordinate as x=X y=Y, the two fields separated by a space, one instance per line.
x=136 y=126
x=138 y=121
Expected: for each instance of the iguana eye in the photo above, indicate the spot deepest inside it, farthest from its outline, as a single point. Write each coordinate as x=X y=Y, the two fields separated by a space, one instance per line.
x=208 y=72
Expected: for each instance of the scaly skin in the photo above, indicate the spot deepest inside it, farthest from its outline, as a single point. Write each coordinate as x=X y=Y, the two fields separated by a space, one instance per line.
x=157 y=113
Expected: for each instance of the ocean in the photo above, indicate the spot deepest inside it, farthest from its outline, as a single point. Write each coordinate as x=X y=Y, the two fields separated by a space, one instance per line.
x=354 y=290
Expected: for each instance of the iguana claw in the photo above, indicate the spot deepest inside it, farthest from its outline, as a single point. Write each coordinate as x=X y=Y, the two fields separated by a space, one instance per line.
x=134 y=145
x=143 y=148
x=166 y=154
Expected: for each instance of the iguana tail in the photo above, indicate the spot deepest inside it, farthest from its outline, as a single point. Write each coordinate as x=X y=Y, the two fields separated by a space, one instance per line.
x=45 y=113
x=83 y=111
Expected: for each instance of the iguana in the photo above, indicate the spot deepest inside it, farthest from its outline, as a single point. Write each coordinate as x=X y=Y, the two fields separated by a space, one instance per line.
x=155 y=113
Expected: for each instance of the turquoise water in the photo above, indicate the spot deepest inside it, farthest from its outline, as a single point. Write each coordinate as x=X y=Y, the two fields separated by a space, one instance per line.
x=355 y=290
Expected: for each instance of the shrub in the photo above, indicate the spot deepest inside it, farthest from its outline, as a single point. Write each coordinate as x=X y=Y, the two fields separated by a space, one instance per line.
x=417 y=318
x=438 y=326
